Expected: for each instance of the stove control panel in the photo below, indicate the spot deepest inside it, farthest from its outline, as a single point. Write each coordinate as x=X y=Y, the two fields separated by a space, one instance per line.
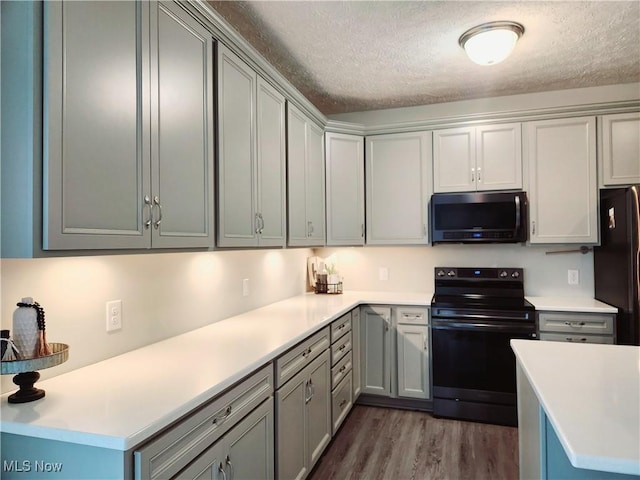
x=505 y=274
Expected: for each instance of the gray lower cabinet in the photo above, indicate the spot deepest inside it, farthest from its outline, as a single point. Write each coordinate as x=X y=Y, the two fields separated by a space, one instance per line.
x=128 y=126
x=251 y=156
x=303 y=419
x=245 y=453
x=412 y=334
x=375 y=350
x=355 y=339
x=394 y=352
x=576 y=327
x=305 y=180
x=342 y=355
x=235 y=429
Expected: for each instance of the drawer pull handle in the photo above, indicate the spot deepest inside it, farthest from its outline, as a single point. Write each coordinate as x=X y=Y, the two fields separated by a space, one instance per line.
x=575 y=324
x=571 y=339
x=342 y=326
x=221 y=418
x=306 y=352
x=342 y=368
x=342 y=403
x=342 y=347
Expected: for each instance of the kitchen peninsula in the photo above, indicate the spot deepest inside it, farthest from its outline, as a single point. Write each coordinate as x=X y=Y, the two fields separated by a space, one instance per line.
x=578 y=410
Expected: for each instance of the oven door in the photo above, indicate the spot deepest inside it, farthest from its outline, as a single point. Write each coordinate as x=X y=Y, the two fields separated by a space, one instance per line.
x=474 y=368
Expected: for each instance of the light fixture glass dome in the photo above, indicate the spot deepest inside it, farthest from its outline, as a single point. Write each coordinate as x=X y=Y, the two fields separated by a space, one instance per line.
x=491 y=43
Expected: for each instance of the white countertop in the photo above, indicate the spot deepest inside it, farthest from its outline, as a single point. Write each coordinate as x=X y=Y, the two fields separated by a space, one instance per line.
x=122 y=401
x=571 y=304
x=591 y=395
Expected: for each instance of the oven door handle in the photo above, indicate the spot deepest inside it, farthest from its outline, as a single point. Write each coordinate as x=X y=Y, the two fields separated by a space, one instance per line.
x=486 y=327
x=482 y=316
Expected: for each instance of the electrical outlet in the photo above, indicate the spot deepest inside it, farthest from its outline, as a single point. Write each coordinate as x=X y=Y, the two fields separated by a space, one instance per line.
x=573 y=277
x=245 y=287
x=383 y=274
x=114 y=315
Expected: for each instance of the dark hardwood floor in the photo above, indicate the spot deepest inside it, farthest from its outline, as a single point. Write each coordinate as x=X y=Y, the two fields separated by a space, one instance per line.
x=381 y=443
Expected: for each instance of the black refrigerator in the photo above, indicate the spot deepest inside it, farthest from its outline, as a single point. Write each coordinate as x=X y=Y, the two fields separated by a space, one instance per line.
x=616 y=261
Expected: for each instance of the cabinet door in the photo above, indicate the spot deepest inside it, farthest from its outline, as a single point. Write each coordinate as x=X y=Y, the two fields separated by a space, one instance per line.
x=318 y=408
x=271 y=166
x=563 y=189
x=296 y=176
x=249 y=446
x=355 y=356
x=620 y=159
x=398 y=186
x=291 y=447
x=454 y=160
x=345 y=189
x=314 y=183
x=209 y=465
x=499 y=157
x=375 y=350
x=413 y=361
x=96 y=137
x=236 y=151
x=305 y=180
x=182 y=126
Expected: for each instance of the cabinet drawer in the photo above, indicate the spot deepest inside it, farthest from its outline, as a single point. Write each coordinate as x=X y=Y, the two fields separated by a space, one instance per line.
x=290 y=363
x=172 y=450
x=340 y=348
x=576 y=323
x=341 y=402
x=413 y=316
x=340 y=369
x=576 y=338
x=340 y=327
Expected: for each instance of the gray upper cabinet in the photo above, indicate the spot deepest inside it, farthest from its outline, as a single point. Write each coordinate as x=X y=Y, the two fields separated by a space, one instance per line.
x=398 y=187
x=128 y=127
x=182 y=127
x=96 y=125
x=251 y=160
x=305 y=180
x=619 y=158
x=477 y=158
x=563 y=188
x=345 y=189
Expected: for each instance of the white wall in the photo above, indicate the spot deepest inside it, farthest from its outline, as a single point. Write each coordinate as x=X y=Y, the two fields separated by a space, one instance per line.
x=162 y=295
x=412 y=268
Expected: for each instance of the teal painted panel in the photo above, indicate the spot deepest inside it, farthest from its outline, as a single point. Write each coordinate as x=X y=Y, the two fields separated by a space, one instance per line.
x=29 y=458
x=559 y=466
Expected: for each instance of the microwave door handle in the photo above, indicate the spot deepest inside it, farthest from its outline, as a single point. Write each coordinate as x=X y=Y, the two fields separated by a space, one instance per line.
x=517 y=200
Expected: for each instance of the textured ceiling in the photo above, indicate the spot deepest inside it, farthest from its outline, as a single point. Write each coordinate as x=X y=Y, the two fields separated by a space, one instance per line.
x=347 y=56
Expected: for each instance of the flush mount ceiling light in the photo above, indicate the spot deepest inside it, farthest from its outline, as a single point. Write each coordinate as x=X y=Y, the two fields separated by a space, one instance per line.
x=491 y=43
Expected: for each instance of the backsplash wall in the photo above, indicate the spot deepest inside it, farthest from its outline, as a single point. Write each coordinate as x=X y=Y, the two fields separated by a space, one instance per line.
x=171 y=293
x=162 y=295
x=412 y=268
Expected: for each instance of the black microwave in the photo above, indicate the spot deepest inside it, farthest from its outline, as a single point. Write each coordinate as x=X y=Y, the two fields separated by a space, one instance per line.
x=482 y=217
